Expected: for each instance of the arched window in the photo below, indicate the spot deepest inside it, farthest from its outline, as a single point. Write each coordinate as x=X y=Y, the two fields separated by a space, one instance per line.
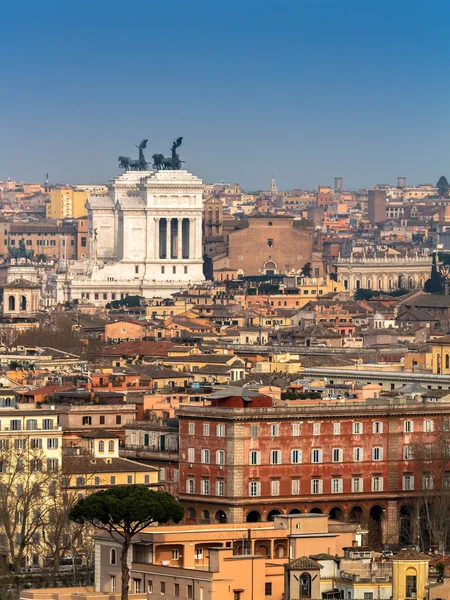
x=111 y=446
x=12 y=303
x=23 y=303
x=101 y=446
x=305 y=585
x=447 y=361
x=112 y=556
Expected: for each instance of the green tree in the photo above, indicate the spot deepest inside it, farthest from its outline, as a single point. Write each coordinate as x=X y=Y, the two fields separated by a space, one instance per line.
x=124 y=511
x=442 y=186
x=306 y=270
x=435 y=284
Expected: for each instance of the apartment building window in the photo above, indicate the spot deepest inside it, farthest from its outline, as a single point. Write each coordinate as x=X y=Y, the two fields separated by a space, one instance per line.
x=113 y=583
x=316 y=428
x=427 y=481
x=52 y=443
x=84 y=242
x=357 y=454
x=97 y=481
x=275 y=429
x=112 y=556
x=408 y=426
x=47 y=424
x=295 y=429
x=357 y=484
x=206 y=429
x=15 y=424
x=275 y=457
x=275 y=487
x=137 y=586
x=254 y=488
x=268 y=588
x=295 y=487
x=130 y=479
x=220 y=430
x=205 y=457
x=220 y=457
x=316 y=486
x=176 y=588
x=357 y=428
x=190 y=486
x=52 y=464
x=336 y=455
x=337 y=485
x=377 y=427
x=80 y=481
x=377 y=483
x=113 y=480
x=86 y=420
x=408 y=482
x=191 y=428
x=336 y=429
x=149 y=586
x=20 y=444
x=377 y=453
x=254 y=431
x=35 y=443
x=407 y=453
x=175 y=554
x=190 y=592
x=32 y=424
x=191 y=455
x=220 y=488
x=35 y=465
x=254 y=457
x=316 y=455
x=296 y=457
x=102 y=419
x=428 y=426
x=163 y=588
x=163 y=270
x=118 y=419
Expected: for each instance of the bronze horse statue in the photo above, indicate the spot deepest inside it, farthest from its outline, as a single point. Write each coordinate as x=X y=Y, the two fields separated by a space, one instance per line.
x=174 y=162
x=132 y=164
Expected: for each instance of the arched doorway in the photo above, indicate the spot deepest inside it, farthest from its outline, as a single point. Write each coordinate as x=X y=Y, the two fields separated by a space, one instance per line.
x=375 y=529
x=11 y=303
x=262 y=549
x=405 y=526
x=272 y=514
x=316 y=511
x=270 y=268
x=253 y=517
x=305 y=585
x=295 y=511
x=221 y=517
x=191 y=515
x=355 y=515
x=337 y=514
x=280 y=549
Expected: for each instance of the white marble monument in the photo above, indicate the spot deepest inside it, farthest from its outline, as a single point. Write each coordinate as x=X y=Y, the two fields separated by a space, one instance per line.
x=145 y=238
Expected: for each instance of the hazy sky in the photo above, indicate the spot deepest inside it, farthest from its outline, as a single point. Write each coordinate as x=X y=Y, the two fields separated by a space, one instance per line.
x=299 y=89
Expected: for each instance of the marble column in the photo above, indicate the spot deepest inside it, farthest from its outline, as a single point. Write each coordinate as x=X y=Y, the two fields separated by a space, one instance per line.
x=156 y=222
x=168 y=238
x=180 y=238
x=191 y=237
x=198 y=238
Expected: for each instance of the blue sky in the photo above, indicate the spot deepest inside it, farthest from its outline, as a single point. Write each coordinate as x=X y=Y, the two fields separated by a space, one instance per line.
x=303 y=90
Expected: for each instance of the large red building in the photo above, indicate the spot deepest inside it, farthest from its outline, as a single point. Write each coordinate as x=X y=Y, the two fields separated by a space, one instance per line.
x=242 y=459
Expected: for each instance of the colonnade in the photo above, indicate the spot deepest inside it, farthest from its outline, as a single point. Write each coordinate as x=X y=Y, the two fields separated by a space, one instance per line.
x=176 y=238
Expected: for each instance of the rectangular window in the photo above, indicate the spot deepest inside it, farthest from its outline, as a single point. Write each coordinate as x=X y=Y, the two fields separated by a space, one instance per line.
x=220 y=488
x=275 y=487
x=52 y=464
x=220 y=457
x=337 y=485
x=357 y=485
x=220 y=430
x=336 y=429
x=295 y=487
x=175 y=554
x=36 y=444
x=357 y=454
x=52 y=443
x=316 y=428
x=296 y=457
x=130 y=479
x=254 y=431
x=357 y=428
x=176 y=589
x=336 y=455
x=113 y=583
x=275 y=429
x=47 y=424
x=427 y=481
x=191 y=428
x=15 y=424
x=295 y=429
x=190 y=486
x=254 y=488
x=407 y=453
x=316 y=455
x=377 y=427
x=191 y=455
x=163 y=588
x=102 y=419
x=185 y=270
x=316 y=486
x=174 y=270
x=428 y=426
x=118 y=420
x=268 y=588
x=408 y=426
x=377 y=453
x=254 y=457
x=137 y=586
x=408 y=482
x=205 y=457
x=86 y=420
x=163 y=270
x=275 y=457
x=150 y=586
x=190 y=592
x=206 y=429
x=377 y=483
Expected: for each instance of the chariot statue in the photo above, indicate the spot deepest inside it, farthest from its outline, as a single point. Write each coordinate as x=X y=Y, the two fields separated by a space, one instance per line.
x=173 y=162
x=132 y=164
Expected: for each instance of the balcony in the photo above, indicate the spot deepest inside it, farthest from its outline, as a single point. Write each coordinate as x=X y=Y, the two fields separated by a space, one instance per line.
x=148 y=453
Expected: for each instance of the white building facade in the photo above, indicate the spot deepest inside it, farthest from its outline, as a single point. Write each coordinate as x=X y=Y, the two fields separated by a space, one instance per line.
x=145 y=238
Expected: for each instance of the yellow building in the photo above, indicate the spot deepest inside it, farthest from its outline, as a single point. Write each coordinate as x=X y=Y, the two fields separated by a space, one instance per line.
x=409 y=575
x=67 y=203
x=440 y=355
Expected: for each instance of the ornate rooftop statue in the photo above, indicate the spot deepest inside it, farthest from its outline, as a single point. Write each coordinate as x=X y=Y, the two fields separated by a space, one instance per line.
x=132 y=164
x=173 y=162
